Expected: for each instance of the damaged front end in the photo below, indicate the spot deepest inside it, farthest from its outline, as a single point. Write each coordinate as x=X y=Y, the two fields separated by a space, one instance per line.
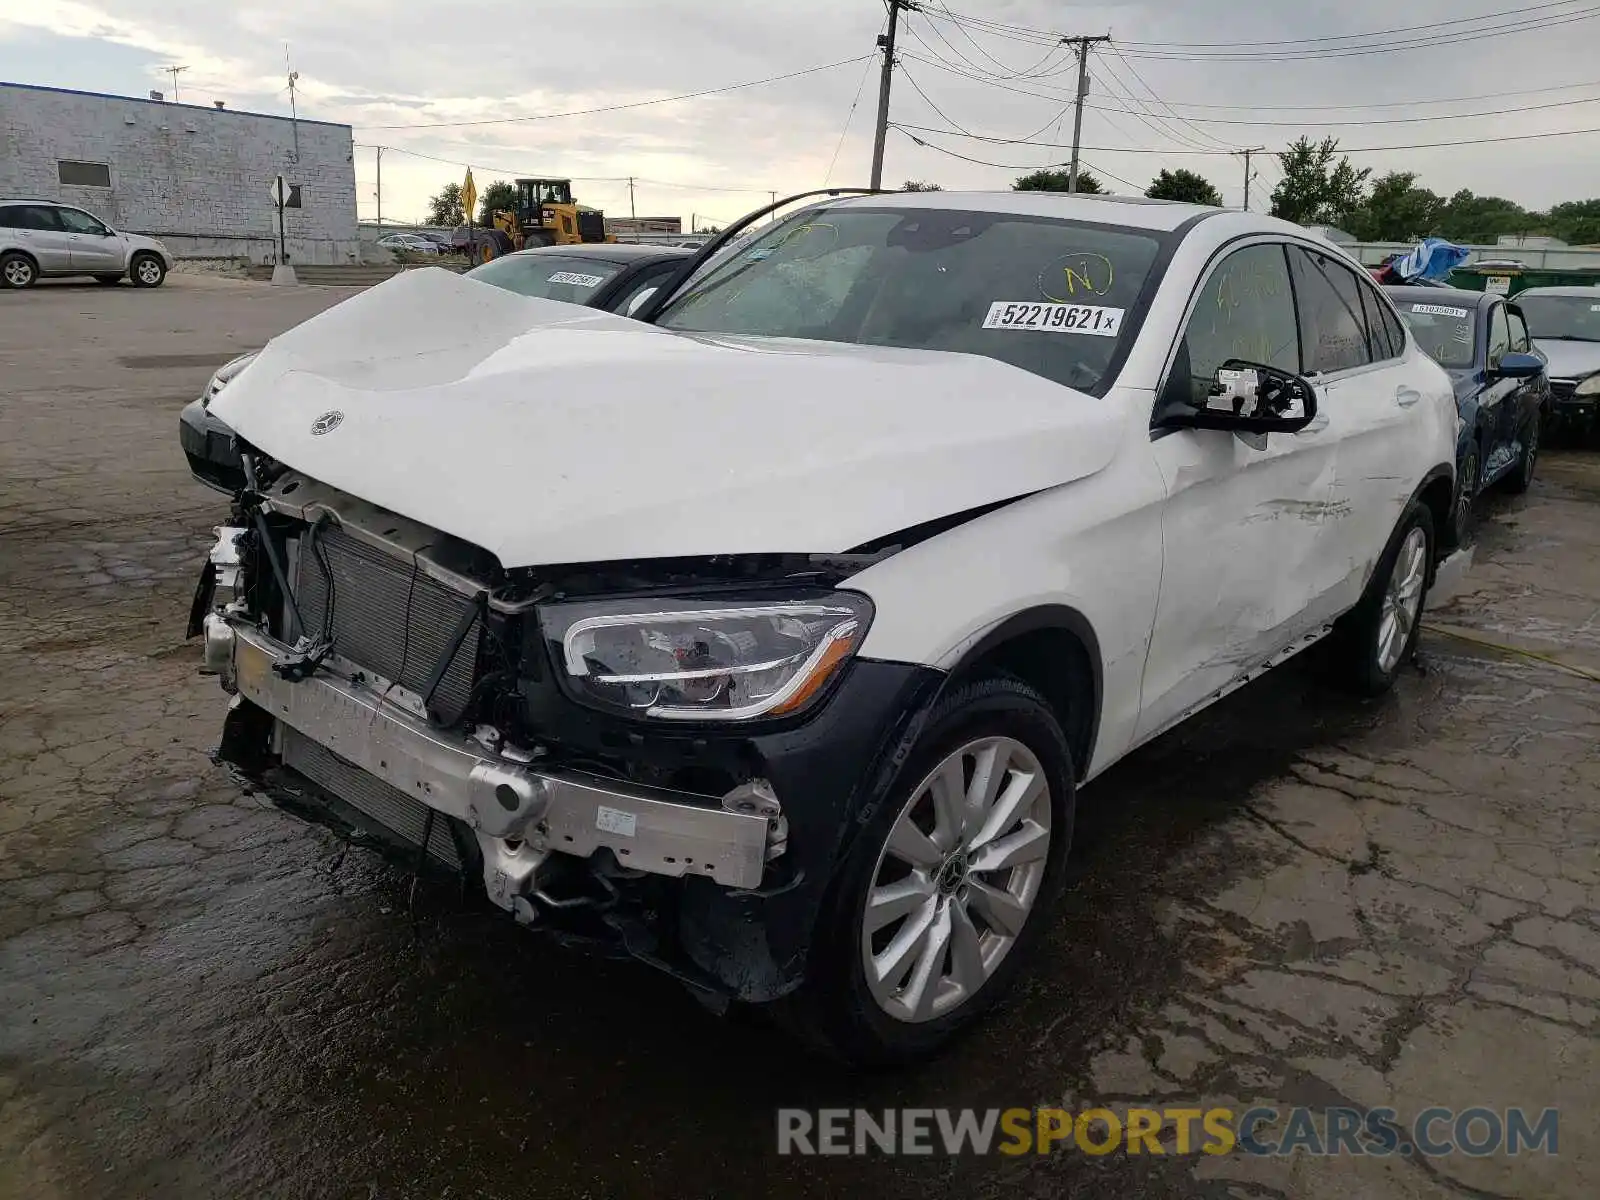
x=661 y=756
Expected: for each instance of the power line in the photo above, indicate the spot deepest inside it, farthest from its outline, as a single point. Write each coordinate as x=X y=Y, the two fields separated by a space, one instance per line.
x=1559 y=87
x=1347 y=37
x=1141 y=116
x=585 y=112
x=1479 y=141
x=1109 y=175
x=917 y=87
x=520 y=172
x=849 y=117
x=1397 y=47
x=1518 y=22
x=1135 y=70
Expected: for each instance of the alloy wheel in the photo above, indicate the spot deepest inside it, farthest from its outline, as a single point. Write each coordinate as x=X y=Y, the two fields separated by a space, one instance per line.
x=149 y=272
x=1402 y=599
x=957 y=879
x=19 y=273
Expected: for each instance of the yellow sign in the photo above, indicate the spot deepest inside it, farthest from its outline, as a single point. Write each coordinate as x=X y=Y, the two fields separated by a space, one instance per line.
x=469 y=195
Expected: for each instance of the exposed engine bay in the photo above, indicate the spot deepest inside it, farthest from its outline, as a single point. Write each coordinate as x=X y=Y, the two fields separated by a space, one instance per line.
x=397 y=684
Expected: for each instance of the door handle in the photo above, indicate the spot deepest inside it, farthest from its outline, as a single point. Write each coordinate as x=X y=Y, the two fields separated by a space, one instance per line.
x=1405 y=397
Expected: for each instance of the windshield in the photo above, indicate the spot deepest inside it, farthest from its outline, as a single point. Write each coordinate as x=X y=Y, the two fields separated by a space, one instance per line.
x=547 y=276
x=1576 y=318
x=1444 y=332
x=1045 y=295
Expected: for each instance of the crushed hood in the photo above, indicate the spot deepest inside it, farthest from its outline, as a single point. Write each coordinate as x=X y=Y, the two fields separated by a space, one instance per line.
x=1567 y=359
x=548 y=433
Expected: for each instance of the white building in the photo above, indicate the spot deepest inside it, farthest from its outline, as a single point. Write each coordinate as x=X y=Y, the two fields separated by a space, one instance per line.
x=197 y=177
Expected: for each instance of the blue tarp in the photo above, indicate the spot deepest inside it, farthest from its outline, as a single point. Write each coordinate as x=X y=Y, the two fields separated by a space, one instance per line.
x=1434 y=258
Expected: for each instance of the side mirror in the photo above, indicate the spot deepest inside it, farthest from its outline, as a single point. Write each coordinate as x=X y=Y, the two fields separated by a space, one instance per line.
x=1517 y=366
x=1246 y=397
x=639 y=300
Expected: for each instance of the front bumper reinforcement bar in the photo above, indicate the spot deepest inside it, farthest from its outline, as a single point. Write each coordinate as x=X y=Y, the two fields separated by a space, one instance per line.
x=520 y=813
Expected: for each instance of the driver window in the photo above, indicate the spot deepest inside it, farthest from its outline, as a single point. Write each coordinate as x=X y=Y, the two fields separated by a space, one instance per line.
x=1519 y=333
x=1245 y=310
x=1499 y=335
x=79 y=222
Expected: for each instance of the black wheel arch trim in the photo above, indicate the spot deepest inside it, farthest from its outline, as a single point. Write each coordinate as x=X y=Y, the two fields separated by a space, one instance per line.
x=1060 y=617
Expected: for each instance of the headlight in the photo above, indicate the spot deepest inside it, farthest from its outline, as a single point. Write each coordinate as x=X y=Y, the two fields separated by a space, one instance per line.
x=225 y=374
x=685 y=660
x=1589 y=387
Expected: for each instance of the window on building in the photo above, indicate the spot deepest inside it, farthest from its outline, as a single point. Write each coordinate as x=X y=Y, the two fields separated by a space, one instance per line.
x=84 y=174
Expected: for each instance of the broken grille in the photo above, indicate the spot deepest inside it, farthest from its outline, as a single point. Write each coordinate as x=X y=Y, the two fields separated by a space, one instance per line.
x=386 y=804
x=387 y=616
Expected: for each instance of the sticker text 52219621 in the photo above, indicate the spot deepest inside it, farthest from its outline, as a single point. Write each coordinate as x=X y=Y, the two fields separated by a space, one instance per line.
x=1054 y=318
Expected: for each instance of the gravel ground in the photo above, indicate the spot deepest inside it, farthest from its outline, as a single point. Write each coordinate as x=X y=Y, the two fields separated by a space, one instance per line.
x=1296 y=899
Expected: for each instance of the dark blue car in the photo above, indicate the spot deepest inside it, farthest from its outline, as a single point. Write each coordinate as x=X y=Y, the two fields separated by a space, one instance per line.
x=1502 y=392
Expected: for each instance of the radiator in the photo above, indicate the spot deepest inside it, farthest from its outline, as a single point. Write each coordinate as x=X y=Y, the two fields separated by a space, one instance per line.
x=384 y=803
x=386 y=615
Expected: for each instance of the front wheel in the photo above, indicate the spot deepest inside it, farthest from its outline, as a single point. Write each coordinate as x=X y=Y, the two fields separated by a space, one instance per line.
x=1521 y=479
x=147 y=271
x=1380 y=634
x=948 y=885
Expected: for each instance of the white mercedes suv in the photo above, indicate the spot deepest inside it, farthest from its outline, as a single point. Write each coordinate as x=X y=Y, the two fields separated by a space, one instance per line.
x=773 y=640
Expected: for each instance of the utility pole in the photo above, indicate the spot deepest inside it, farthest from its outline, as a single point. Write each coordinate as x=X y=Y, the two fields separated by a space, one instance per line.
x=886 y=43
x=632 y=211
x=1245 y=154
x=174 y=72
x=380 y=191
x=1083 y=44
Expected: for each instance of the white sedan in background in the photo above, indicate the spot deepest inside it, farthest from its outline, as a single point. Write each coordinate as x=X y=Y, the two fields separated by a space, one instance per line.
x=415 y=243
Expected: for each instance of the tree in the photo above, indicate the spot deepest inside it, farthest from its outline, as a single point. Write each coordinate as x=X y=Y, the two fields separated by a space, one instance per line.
x=1315 y=189
x=917 y=185
x=1482 y=219
x=1576 y=222
x=498 y=195
x=1054 y=179
x=1398 y=211
x=1183 y=185
x=445 y=208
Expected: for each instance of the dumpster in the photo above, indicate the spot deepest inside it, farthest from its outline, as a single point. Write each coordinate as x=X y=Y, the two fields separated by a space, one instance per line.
x=1508 y=277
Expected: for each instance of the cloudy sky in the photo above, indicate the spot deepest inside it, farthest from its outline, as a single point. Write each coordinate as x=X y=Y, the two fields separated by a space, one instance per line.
x=389 y=68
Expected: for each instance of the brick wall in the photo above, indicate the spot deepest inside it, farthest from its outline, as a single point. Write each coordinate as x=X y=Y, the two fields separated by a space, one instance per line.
x=195 y=177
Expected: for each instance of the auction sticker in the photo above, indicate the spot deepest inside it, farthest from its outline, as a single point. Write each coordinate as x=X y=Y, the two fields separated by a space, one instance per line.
x=614 y=820
x=1440 y=310
x=1054 y=318
x=577 y=280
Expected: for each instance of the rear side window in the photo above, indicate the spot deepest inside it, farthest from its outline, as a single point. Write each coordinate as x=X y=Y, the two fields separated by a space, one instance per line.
x=1383 y=331
x=1333 y=320
x=29 y=216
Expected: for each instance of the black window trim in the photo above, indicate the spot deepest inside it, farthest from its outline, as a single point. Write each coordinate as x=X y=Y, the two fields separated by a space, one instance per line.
x=1343 y=372
x=1202 y=277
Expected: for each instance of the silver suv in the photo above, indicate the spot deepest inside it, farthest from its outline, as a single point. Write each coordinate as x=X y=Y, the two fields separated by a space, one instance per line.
x=41 y=237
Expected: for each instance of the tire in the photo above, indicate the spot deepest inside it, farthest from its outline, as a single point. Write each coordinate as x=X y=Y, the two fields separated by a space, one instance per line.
x=1463 y=511
x=147 y=271
x=108 y=280
x=1369 y=658
x=18 y=270
x=1521 y=479
x=837 y=1009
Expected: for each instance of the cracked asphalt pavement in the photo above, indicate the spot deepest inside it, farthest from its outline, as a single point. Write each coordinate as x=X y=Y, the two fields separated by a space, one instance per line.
x=1297 y=898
